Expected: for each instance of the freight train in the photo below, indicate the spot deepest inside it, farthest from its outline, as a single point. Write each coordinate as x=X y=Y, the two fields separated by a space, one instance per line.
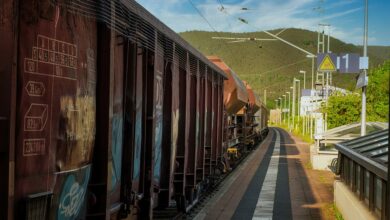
x=108 y=114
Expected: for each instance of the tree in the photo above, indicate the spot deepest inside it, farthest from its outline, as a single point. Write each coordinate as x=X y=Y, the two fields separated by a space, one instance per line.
x=344 y=109
x=378 y=93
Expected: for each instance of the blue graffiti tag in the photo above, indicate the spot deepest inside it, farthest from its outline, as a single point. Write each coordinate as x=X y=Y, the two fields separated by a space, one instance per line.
x=116 y=152
x=157 y=150
x=73 y=196
x=138 y=142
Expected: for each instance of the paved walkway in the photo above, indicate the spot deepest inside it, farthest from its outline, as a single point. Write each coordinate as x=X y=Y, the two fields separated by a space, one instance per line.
x=275 y=182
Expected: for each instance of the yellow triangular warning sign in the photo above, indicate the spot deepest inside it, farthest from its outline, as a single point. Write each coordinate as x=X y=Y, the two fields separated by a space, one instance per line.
x=327 y=64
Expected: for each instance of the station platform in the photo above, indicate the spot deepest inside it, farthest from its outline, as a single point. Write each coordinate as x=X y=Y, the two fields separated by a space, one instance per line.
x=274 y=182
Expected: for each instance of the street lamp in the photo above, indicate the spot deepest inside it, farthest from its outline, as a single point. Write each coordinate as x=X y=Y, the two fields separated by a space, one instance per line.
x=284 y=107
x=312 y=69
x=299 y=95
x=280 y=107
x=293 y=103
x=296 y=92
x=304 y=78
x=289 y=111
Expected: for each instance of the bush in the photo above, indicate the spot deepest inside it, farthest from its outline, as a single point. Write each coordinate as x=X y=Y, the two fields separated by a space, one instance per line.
x=345 y=109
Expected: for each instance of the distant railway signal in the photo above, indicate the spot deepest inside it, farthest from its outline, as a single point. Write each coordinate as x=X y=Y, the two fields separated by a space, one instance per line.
x=326 y=62
x=343 y=63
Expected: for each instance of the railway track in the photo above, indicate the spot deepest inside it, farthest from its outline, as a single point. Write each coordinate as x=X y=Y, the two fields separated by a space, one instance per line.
x=213 y=190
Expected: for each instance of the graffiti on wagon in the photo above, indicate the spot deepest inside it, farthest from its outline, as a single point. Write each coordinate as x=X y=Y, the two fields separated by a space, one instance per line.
x=72 y=195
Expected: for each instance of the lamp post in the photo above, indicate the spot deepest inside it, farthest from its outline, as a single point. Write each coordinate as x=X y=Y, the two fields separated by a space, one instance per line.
x=364 y=88
x=299 y=97
x=298 y=93
x=280 y=106
x=276 y=101
x=284 y=107
x=304 y=78
x=312 y=70
x=293 y=104
x=289 y=111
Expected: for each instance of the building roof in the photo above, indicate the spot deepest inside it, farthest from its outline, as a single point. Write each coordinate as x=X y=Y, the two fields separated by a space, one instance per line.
x=369 y=151
x=350 y=131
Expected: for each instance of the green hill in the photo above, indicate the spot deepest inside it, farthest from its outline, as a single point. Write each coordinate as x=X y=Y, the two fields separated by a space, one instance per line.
x=272 y=65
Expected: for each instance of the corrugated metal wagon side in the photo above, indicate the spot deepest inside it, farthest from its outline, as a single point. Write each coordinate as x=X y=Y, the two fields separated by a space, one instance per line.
x=54 y=67
x=8 y=74
x=108 y=113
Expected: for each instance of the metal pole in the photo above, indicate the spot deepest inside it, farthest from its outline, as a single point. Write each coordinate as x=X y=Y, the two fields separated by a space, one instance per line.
x=318 y=40
x=311 y=126
x=280 y=107
x=293 y=104
x=289 y=110
x=328 y=39
x=276 y=109
x=299 y=100
x=284 y=107
x=265 y=97
x=363 y=126
x=312 y=73
x=299 y=97
x=304 y=78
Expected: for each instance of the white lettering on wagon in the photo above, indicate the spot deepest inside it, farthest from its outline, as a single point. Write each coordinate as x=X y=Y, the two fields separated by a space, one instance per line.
x=34 y=147
x=50 y=52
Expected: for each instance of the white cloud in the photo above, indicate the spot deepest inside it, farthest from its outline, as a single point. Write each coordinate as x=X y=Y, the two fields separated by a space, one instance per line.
x=263 y=15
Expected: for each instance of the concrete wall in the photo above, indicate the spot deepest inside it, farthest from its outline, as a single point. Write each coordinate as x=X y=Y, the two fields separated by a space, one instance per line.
x=321 y=160
x=349 y=205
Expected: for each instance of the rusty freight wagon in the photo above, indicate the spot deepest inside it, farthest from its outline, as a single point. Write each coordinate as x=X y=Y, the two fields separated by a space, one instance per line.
x=245 y=115
x=256 y=118
x=107 y=113
x=261 y=120
x=235 y=98
x=246 y=120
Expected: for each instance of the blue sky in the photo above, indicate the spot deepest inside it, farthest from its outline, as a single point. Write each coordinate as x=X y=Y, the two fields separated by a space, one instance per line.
x=346 y=17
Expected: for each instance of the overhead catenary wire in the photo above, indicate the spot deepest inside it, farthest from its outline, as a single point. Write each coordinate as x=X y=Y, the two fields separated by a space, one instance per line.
x=204 y=17
x=220 y=2
x=201 y=15
x=308 y=54
x=133 y=22
x=272 y=35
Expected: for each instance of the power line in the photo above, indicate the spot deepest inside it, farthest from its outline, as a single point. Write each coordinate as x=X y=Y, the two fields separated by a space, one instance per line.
x=200 y=13
x=272 y=35
x=207 y=21
x=220 y=2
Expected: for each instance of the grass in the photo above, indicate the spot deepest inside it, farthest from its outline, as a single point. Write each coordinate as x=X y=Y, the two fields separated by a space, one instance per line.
x=332 y=211
x=337 y=212
x=297 y=132
x=308 y=165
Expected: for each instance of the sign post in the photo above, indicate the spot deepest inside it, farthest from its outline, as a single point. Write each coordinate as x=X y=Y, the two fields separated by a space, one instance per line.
x=364 y=88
